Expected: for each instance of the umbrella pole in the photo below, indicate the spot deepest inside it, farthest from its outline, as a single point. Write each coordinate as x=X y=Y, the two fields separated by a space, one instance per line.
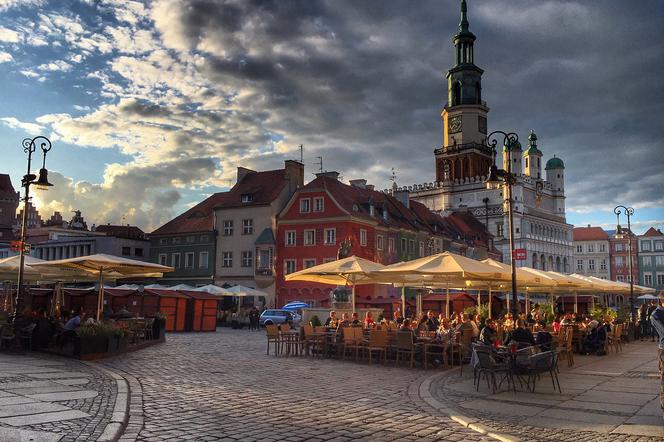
x=447 y=300
x=576 y=302
x=100 y=300
x=490 y=296
x=527 y=303
x=353 y=300
x=508 y=304
x=403 y=302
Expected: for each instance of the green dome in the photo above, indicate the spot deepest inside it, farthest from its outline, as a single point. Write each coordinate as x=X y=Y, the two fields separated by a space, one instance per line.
x=532 y=145
x=555 y=163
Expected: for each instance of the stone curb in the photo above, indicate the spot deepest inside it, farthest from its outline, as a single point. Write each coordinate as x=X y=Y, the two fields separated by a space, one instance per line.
x=424 y=394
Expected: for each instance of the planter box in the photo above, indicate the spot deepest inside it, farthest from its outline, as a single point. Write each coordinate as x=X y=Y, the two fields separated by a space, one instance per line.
x=93 y=344
x=159 y=330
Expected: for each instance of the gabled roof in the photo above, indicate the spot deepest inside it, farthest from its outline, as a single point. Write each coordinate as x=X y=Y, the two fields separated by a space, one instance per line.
x=129 y=232
x=6 y=188
x=653 y=232
x=264 y=187
x=589 y=234
x=197 y=219
x=266 y=238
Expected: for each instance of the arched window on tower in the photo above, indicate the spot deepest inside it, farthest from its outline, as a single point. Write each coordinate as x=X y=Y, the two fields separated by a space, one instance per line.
x=456 y=93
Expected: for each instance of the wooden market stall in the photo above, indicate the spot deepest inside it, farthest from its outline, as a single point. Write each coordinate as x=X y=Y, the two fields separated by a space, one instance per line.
x=171 y=303
x=128 y=299
x=77 y=298
x=201 y=311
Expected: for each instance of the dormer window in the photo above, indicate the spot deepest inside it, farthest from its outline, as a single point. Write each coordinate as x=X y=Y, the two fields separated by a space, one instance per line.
x=385 y=214
x=372 y=210
x=356 y=208
x=247 y=197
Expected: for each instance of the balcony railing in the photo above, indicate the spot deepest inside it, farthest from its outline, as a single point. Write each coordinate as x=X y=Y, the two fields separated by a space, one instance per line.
x=263 y=272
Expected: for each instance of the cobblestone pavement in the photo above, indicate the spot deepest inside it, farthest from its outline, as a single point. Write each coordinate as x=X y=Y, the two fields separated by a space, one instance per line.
x=222 y=386
x=608 y=398
x=45 y=397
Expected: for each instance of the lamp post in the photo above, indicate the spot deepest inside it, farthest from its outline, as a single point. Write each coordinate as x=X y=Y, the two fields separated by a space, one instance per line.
x=507 y=178
x=29 y=147
x=628 y=211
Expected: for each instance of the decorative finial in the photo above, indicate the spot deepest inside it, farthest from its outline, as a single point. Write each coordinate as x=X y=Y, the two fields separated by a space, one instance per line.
x=463 y=24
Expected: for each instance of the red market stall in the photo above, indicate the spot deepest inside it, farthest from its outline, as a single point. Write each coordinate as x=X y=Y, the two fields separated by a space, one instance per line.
x=76 y=298
x=128 y=299
x=40 y=299
x=171 y=303
x=201 y=311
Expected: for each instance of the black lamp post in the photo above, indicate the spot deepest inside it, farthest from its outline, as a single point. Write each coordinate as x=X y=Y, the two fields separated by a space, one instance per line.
x=505 y=177
x=29 y=147
x=628 y=211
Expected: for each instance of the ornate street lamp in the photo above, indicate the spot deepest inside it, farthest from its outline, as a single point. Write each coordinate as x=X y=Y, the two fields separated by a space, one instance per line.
x=628 y=211
x=29 y=147
x=499 y=177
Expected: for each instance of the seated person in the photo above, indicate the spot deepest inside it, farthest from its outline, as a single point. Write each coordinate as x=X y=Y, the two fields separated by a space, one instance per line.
x=368 y=320
x=556 y=324
x=345 y=322
x=595 y=340
x=432 y=321
x=508 y=322
x=476 y=323
x=543 y=339
x=568 y=319
x=445 y=331
x=332 y=320
x=355 y=320
x=519 y=335
x=406 y=327
x=539 y=320
x=397 y=317
x=464 y=323
x=488 y=333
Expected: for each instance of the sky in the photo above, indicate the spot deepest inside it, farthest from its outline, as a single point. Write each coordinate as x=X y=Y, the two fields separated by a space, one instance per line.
x=152 y=106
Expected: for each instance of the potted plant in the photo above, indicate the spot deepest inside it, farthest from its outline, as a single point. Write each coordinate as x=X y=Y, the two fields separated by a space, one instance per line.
x=315 y=322
x=91 y=339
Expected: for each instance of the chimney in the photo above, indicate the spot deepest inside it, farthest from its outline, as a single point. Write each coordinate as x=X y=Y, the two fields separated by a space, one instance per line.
x=334 y=175
x=294 y=174
x=360 y=184
x=371 y=186
x=243 y=172
x=403 y=196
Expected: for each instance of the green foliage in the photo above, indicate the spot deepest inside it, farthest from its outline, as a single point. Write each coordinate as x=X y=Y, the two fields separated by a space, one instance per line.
x=482 y=310
x=549 y=310
x=102 y=329
x=623 y=314
x=315 y=321
x=598 y=313
x=380 y=318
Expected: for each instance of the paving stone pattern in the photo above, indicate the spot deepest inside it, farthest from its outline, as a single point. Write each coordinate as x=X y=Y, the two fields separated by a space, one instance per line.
x=222 y=386
x=59 y=396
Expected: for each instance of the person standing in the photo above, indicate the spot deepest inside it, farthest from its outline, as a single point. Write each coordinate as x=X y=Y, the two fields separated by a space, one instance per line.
x=651 y=309
x=657 y=321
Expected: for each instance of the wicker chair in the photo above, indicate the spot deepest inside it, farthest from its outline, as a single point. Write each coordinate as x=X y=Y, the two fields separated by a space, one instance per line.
x=377 y=343
x=405 y=346
x=272 y=332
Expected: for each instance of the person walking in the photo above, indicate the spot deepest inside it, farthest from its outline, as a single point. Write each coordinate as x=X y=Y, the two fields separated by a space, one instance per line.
x=657 y=321
x=641 y=317
x=649 y=311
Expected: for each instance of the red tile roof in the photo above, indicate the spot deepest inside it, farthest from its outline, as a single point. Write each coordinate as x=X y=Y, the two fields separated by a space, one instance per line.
x=589 y=234
x=197 y=219
x=653 y=232
x=6 y=188
x=264 y=187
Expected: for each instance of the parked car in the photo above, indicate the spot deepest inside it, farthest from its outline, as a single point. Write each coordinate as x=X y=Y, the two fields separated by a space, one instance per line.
x=278 y=316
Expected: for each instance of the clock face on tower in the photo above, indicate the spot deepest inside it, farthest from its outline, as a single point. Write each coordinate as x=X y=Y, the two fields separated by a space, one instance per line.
x=454 y=124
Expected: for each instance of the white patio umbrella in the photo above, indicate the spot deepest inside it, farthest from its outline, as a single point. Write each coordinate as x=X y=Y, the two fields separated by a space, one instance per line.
x=104 y=265
x=214 y=290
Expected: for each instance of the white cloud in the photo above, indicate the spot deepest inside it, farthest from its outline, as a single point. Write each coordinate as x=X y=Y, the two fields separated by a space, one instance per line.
x=29 y=73
x=14 y=123
x=9 y=35
x=5 y=57
x=8 y=4
x=55 y=66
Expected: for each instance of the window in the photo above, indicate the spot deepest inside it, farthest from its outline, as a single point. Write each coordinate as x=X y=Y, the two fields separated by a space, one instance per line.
x=648 y=280
x=647 y=261
x=620 y=278
x=330 y=236
x=247 y=226
x=163 y=259
x=602 y=264
x=602 y=247
x=227 y=259
x=363 y=237
x=659 y=246
x=645 y=246
x=308 y=263
x=591 y=264
x=403 y=245
x=247 y=197
x=620 y=247
x=380 y=242
x=175 y=260
x=203 y=260
x=309 y=237
x=163 y=241
x=620 y=261
x=390 y=245
x=204 y=238
x=591 y=248
x=499 y=229
x=228 y=227
x=421 y=249
x=289 y=266
x=290 y=238
x=189 y=260
x=305 y=204
x=579 y=264
x=126 y=251
x=659 y=261
x=247 y=258
x=191 y=239
x=579 y=248
x=411 y=246
x=660 y=279
x=318 y=204
x=177 y=240
x=138 y=251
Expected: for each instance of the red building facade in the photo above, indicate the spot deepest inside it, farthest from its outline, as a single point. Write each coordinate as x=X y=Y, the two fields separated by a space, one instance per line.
x=619 y=257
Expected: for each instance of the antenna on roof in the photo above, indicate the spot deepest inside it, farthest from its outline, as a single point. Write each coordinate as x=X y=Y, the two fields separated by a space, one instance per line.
x=302 y=153
x=320 y=164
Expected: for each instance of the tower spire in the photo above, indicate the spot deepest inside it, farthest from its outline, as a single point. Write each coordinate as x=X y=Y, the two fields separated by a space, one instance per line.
x=463 y=24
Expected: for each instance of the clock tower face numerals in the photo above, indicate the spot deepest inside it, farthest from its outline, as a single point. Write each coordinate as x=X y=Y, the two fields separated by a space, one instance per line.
x=454 y=124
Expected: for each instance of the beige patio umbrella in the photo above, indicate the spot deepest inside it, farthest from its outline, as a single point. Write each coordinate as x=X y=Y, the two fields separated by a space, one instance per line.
x=447 y=269
x=352 y=270
x=103 y=265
